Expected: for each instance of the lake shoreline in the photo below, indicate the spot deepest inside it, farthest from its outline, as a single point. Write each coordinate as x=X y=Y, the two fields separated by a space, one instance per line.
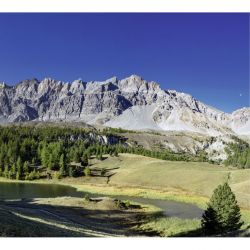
x=150 y=220
x=113 y=190
x=72 y=217
x=134 y=191
x=155 y=220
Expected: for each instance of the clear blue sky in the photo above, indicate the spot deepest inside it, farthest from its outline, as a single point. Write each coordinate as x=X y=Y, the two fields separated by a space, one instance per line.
x=206 y=55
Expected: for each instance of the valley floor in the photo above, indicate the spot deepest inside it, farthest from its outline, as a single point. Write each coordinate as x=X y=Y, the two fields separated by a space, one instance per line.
x=141 y=176
x=135 y=175
x=69 y=217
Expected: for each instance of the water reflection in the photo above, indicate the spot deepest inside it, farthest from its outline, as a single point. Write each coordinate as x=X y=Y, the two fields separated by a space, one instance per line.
x=33 y=190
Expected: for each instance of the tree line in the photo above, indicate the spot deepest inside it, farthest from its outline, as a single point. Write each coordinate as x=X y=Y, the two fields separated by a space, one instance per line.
x=25 y=150
x=238 y=154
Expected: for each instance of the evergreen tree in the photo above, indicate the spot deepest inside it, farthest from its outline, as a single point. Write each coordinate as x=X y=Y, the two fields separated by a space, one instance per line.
x=223 y=212
x=26 y=167
x=18 y=176
x=50 y=162
x=19 y=171
x=76 y=156
x=6 y=171
x=85 y=161
x=62 y=164
x=10 y=154
x=248 y=160
x=44 y=157
x=71 y=172
x=1 y=158
x=12 y=172
x=99 y=157
x=116 y=153
x=33 y=160
x=103 y=171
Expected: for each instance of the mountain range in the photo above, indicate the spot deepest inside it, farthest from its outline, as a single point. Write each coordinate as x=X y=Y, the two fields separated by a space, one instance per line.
x=131 y=103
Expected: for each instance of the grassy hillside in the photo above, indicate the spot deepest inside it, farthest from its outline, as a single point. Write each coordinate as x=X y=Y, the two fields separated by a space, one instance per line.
x=136 y=175
x=184 y=177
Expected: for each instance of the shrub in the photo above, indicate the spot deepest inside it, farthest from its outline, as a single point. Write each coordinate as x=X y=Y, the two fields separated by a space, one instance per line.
x=84 y=160
x=74 y=171
x=86 y=197
x=127 y=204
x=32 y=175
x=87 y=171
x=103 y=171
x=57 y=175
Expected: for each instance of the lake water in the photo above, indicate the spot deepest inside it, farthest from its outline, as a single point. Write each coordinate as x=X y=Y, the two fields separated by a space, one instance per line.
x=30 y=190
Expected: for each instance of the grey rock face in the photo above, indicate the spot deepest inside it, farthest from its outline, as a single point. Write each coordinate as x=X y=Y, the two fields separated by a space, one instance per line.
x=130 y=103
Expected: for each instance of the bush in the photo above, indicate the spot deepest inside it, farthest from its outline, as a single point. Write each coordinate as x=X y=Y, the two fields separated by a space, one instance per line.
x=123 y=204
x=57 y=175
x=87 y=171
x=86 y=197
x=32 y=175
x=103 y=171
x=84 y=160
x=127 y=203
x=74 y=171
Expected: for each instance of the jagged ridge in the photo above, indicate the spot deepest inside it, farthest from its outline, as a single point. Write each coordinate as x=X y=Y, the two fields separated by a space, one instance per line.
x=130 y=103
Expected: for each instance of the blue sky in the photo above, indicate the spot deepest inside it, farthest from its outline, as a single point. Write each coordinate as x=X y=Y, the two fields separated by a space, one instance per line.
x=206 y=55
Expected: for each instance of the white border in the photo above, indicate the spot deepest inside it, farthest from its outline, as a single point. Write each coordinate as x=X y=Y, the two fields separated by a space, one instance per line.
x=124 y=6
x=125 y=243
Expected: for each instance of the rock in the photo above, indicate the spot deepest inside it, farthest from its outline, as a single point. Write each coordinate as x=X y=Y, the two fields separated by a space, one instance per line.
x=130 y=103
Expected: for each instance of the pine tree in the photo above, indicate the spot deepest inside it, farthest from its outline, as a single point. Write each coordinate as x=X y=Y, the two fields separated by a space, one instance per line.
x=71 y=172
x=62 y=164
x=18 y=176
x=19 y=171
x=76 y=156
x=248 y=160
x=26 y=167
x=85 y=161
x=116 y=153
x=50 y=162
x=6 y=171
x=12 y=172
x=1 y=158
x=209 y=222
x=223 y=213
x=99 y=157
x=44 y=157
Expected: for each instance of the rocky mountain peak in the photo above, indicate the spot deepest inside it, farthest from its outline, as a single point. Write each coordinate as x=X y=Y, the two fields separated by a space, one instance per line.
x=131 y=103
x=3 y=85
x=77 y=87
x=113 y=80
x=135 y=83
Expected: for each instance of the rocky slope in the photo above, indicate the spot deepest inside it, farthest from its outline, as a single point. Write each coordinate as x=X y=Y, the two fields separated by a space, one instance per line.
x=130 y=103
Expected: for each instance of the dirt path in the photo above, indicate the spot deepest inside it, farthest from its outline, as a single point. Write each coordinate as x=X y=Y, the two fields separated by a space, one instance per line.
x=66 y=217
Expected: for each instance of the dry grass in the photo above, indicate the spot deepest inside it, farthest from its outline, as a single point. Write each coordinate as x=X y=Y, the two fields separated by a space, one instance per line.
x=193 y=178
x=190 y=182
